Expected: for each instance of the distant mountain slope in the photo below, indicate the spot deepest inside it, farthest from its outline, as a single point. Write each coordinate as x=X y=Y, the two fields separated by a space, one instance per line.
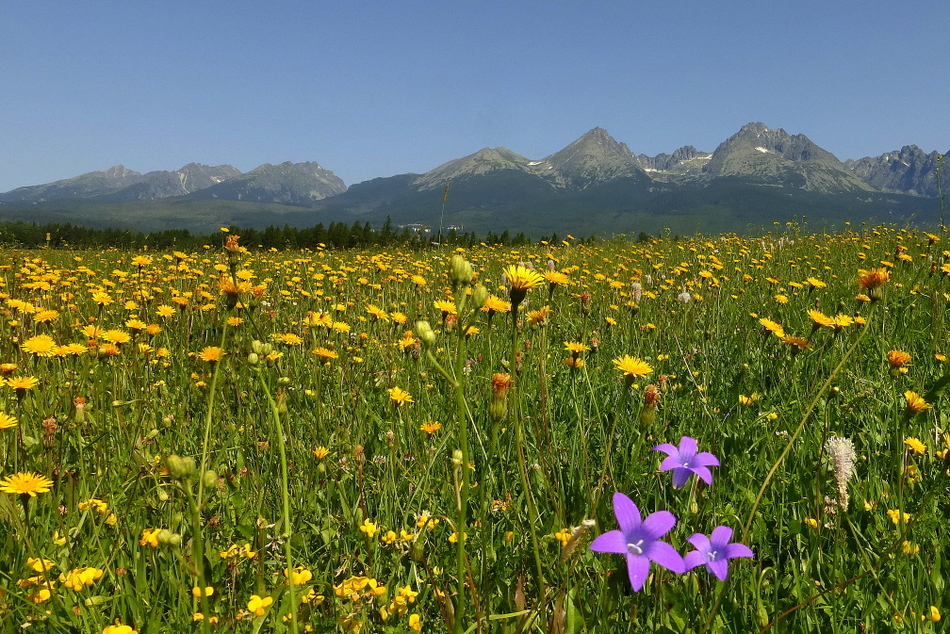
x=909 y=170
x=287 y=183
x=162 y=184
x=775 y=157
x=82 y=186
x=685 y=163
x=594 y=158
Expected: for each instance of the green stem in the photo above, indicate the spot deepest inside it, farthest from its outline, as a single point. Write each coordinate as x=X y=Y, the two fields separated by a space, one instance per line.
x=198 y=537
x=522 y=466
x=284 y=498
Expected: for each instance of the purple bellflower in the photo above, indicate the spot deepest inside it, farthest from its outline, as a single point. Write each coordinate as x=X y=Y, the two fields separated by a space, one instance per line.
x=639 y=541
x=684 y=460
x=715 y=551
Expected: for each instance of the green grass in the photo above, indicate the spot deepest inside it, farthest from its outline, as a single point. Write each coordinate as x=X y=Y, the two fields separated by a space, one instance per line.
x=509 y=470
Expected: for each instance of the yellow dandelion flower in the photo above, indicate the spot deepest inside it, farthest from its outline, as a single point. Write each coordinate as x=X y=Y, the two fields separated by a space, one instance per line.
x=40 y=345
x=575 y=347
x=632 y=366
x=522 y=278
x=289 y=339
x=116 y=336
x=26 y=483
x=772 y=326
x=149 y=537
x=915 y=445
x=447 y=308
x=7 y=421
x=916 y=402
x=211 y=354
x=820 y=319
x=431 y=427
x=399 y=396
x=21 y=383
x=324 y=353
x=898 y=358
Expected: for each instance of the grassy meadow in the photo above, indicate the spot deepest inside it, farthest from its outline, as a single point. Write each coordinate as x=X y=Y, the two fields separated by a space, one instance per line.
x=247 y=440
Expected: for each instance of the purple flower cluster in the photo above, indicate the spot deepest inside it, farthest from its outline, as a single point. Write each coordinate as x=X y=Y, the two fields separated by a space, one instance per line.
x=639 y=540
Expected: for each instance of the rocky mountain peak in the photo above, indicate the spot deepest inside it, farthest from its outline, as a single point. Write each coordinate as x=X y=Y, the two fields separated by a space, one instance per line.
x=596 y=156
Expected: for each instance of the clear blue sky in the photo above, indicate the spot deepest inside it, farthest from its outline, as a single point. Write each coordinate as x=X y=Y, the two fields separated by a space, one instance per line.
x=373 y=89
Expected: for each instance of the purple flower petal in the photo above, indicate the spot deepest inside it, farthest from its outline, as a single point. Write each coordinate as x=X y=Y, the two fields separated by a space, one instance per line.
x=688 y=446
x=638 y=568
x=666 y=556
x=719 y=568
x=670 y=450
x=699 y=540
x=738 y=550
x=680 y=476
x=693 y=559
x=628 y=515
x=657 y=525
x=704 y=474
x=671 y=462
x=721 y=536
x=610 y=542
x=704 y=459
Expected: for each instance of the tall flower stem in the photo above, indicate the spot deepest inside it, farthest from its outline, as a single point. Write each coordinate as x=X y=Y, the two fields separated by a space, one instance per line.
x=462 y=425
x=198 y=538
x=287 y=532
x=522 y=463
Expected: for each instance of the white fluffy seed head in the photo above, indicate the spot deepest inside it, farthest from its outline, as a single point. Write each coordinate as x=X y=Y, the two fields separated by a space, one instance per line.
x=841 y=453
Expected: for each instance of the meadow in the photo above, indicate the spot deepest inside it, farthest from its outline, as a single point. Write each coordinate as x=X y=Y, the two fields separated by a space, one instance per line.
x=715 y=434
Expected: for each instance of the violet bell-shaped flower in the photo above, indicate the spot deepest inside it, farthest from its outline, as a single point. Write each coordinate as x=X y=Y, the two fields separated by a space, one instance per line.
x=684 y=460
x=639 y=541
x=715 y=551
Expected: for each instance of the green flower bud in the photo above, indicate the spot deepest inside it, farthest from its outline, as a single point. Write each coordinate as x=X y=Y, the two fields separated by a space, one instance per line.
x=425 y=332
x=169 y=539
x=417 y=550
x=210 y=479
x=479 y=297
x=460 y=271
x=180 y=468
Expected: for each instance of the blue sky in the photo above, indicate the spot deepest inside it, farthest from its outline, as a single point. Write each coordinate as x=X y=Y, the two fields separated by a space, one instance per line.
x=373 y=89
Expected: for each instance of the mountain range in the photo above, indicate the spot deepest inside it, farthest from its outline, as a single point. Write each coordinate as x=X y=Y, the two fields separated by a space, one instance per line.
x=594 y=185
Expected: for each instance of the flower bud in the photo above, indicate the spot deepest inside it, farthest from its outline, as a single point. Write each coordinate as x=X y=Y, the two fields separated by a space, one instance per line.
x=180 y=468
x=169 y=539
x=425 y=333
x=210 y=479
x=253 y=358
x=479 y=297
x=460 y=271
x=457 y=458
